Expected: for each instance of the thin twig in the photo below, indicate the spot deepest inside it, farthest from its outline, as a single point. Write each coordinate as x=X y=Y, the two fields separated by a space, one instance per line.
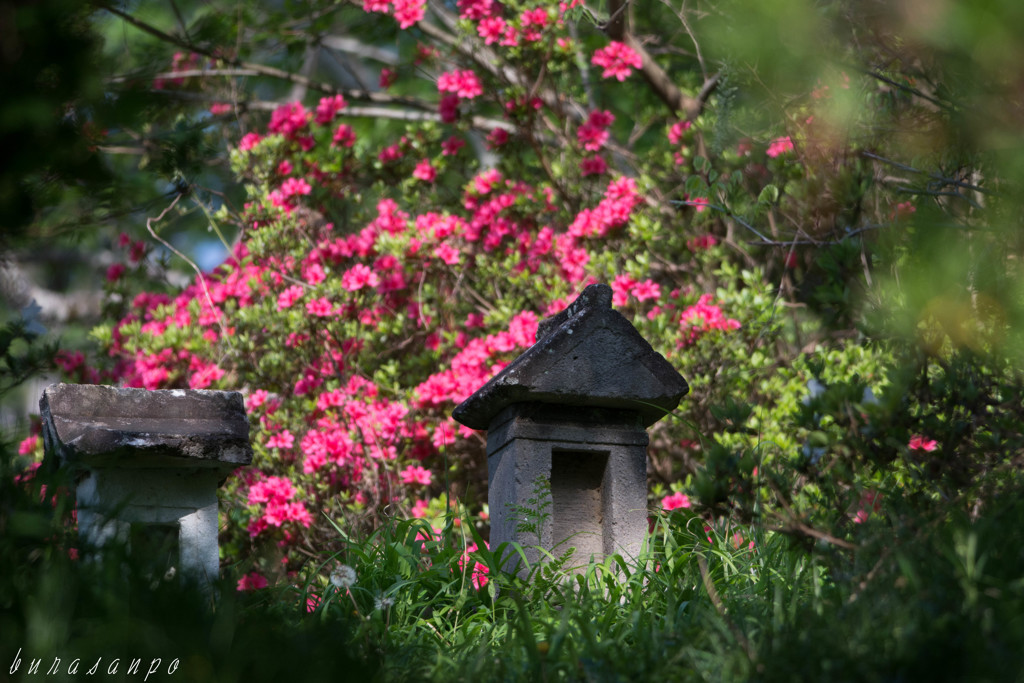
x=913 y=91
x=729 y=214
x=934 y=176
x=186 y=259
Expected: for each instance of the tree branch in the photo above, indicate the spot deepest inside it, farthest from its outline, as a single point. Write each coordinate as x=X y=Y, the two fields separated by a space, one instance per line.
x=617 y=28
x=263 y=70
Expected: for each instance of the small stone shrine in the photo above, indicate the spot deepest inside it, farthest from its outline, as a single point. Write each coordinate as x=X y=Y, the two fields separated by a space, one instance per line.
x=571 y=413
x=147 y=466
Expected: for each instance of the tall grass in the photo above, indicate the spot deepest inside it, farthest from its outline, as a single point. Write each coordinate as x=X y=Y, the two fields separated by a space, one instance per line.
x=915 y=599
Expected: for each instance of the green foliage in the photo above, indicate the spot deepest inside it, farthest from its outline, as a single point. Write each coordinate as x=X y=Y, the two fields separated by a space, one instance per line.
x=23 y=352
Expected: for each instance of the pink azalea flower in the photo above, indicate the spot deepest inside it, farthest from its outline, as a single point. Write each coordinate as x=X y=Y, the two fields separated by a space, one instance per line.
x=702 y=242
x=617 y=59
x=257 y=399
x=115 y=271
x=409 y=12
x=447 y=253
x=357 y=277
x=425 y=171
x=465 y=84
x=389 y=154
x=475 y=9
x=675 y=133
x=595 y=165
x=591 y=137
x=533 y=22
x=920 y=443
x=204 y=375
x=321 y=307
x=621 y=287
x=252 y=581
x=419 y=509
x=282 y=439
x=701 y=318
x=675 y=501
x=700 y=204
x=904 y=210
x=289 y=296
x=479 y=571
x=271 y=489
x=780 y=146
x=497 y=138
x=452 y=145
x=328 y=108
x=415 y=474
x=248 y=141
x=27 y=446
x=648 y=289
x=294 y=186
x=344 y=136
x=491 y=29
x=449 y=108
x=289 y=119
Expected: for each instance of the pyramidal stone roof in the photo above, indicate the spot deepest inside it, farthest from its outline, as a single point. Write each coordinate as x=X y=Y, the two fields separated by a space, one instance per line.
x=587 y=355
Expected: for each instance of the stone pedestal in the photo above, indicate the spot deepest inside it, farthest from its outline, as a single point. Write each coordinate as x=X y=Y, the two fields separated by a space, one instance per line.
x=567 y=420
x=148 y=464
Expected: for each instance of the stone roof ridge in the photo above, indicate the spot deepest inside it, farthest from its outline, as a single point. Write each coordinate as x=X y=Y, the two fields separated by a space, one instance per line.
x=593 y=297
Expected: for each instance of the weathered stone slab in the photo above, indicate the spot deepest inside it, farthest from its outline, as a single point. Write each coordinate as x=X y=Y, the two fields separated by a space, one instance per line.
x=101 y=426
x=587 y=355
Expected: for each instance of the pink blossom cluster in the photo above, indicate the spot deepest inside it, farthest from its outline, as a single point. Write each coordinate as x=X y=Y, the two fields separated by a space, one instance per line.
x=870 y=503
x=179 y=62
x=476 y=363
x=493 y=28
x=416 y=474
x=612 y=212
x=283 y=196
x=464 y=84
x=593 y=133
x=328 y=108
x=407 y=13
x=624 y=286
x=675 y=501
x=922 y=443
x=478 y=570
x=701 y=318
x=289 y=119
x=617 y=59
x=274 y=497
x=780 y=146
x=251 y=582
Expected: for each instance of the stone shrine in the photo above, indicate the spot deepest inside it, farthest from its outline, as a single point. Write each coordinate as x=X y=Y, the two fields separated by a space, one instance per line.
x=570 y=415
x=147 y=466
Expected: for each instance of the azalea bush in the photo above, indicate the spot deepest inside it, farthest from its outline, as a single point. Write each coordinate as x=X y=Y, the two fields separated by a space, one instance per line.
x=383 y=274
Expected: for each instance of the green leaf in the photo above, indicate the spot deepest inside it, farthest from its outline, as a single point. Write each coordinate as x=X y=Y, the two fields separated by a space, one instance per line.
x=769 y=195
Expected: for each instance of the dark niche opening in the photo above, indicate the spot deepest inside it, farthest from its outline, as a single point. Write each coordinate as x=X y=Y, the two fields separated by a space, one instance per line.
x=156 y=548
x=578 y=504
